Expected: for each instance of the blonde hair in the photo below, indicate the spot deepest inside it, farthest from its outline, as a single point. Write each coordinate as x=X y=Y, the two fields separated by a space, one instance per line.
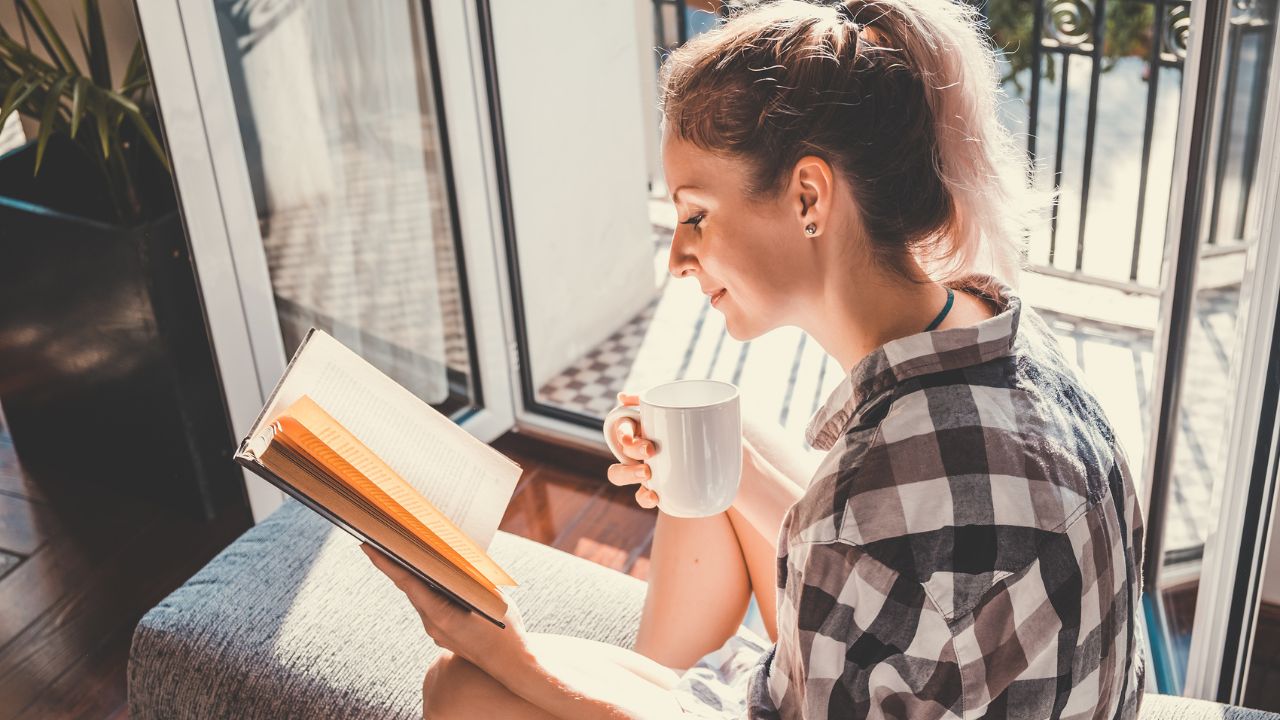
x=898 y=95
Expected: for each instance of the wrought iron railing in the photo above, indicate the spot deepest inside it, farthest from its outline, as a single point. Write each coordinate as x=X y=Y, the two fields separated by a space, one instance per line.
x=1045 y=42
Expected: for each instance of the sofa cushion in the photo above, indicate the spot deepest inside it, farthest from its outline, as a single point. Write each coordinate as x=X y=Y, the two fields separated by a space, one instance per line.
x=1168 y=707
x=292 y=620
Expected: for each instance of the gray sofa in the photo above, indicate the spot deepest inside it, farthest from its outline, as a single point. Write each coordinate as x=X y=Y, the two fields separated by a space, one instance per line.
x=292 y=621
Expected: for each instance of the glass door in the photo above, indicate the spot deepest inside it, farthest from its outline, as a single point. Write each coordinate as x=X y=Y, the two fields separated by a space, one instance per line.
x=332 y=176
x=588 y=225
x=1210 y=477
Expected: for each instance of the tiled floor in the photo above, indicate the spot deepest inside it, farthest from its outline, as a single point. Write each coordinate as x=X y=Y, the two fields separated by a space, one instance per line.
x=785 y=375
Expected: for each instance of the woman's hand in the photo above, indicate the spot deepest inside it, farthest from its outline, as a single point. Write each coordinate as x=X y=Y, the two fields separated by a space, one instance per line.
x=452 y=627
x=635 y=447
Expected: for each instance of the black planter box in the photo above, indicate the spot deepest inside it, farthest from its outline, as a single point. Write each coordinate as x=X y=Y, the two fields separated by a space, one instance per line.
x=107 y=379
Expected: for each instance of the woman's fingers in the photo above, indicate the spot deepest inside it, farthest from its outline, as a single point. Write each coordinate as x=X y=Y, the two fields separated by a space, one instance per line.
x=388 y=566
x=646 y=498
x=633 y=446
x=636 y=448
x=432 y=607
x=622 y=474
x=419 y=593
x=630 y=435
x=627 y=430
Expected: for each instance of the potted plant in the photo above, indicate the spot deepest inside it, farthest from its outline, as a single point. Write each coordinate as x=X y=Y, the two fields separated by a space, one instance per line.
x=106 y=369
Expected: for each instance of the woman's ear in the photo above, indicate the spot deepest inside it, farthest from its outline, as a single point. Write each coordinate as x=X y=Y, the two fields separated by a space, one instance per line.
x=813 y=188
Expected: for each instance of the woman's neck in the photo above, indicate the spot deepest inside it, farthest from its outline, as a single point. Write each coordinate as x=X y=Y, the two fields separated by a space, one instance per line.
x=854 y=318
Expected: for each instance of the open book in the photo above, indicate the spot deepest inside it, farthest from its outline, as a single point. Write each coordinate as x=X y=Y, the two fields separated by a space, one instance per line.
x=353 y=445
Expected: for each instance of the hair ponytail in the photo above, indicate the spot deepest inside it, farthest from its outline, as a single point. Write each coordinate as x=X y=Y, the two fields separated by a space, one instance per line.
x=900 y=95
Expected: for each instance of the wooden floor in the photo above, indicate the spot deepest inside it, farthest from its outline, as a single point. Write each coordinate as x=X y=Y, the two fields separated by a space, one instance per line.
x=79 y=565
x=1262 y=689
x=565 y=500
x=78 y=569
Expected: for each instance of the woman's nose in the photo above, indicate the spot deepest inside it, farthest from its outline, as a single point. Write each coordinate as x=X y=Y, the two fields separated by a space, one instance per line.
x=681 y=261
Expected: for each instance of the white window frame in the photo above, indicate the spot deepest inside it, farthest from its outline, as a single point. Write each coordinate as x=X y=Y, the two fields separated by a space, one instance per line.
x=197 y=107
x=1222 y=576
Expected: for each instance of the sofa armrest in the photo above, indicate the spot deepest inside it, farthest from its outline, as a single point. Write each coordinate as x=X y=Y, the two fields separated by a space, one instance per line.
x=291 y=620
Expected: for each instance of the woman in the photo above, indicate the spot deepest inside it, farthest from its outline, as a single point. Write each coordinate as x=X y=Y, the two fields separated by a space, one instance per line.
x=971 y=544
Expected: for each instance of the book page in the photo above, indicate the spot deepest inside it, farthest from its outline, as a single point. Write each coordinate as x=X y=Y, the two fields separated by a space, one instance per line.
x=468 y=481
x=341 y=442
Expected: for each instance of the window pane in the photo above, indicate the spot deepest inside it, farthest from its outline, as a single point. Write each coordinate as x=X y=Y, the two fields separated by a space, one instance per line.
x=336 y=104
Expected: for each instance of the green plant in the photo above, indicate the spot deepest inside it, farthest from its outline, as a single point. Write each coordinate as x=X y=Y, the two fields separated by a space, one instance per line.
x=53 y=90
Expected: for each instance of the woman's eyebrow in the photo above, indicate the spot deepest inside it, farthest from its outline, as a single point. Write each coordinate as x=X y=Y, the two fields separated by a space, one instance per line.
x=675 y=195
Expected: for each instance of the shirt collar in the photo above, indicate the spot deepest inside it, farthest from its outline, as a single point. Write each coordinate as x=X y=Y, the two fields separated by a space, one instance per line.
x=920 y=354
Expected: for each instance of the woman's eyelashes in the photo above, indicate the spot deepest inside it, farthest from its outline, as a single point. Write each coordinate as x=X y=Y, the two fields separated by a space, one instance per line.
x=693 y=221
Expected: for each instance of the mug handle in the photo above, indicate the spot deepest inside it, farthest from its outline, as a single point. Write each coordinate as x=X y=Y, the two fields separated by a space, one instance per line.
x=615 y=416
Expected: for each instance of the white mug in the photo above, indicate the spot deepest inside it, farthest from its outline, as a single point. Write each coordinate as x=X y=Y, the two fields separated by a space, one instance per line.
x=696 y=428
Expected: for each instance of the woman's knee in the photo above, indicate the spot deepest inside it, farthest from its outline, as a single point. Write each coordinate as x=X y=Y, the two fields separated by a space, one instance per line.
x=454 y=688
x=452 y=672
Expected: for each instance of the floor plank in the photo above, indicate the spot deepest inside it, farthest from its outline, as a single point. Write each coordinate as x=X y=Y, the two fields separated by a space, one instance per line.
x=95 y=687
x=7 y=563
x=115 y=593
x=12 y=480
x=529 y=452
x=90 y=563
x=611 y=531
x=547 y=503
x=25 y=525
x=566 y=501
x=57 y=568
x=1262 y=691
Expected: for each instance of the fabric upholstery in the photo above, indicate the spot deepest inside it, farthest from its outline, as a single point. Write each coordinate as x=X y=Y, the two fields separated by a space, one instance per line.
x=1166 y=707
x=292 y=620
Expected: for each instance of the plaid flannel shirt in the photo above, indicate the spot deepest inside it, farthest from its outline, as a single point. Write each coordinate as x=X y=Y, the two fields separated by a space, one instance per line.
x=971 y=545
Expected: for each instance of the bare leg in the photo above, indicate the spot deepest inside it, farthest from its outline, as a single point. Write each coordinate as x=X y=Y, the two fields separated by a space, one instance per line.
x=702 y=571
x=454 y=688
x=699 y=586
x=761 y=555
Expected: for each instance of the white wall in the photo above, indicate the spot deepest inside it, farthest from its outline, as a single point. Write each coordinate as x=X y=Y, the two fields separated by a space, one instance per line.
x=572 y=108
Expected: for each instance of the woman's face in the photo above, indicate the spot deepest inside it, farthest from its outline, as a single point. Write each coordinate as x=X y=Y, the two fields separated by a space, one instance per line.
x=756 y=253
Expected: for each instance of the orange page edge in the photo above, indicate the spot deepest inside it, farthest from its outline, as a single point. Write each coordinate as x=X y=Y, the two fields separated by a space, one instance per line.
x=296 y=435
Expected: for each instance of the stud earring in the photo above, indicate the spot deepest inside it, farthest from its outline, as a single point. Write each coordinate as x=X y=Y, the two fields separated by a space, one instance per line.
x=810 y=229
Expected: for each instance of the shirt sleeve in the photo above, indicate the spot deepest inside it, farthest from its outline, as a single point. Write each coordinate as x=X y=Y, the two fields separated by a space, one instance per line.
x=856 y=640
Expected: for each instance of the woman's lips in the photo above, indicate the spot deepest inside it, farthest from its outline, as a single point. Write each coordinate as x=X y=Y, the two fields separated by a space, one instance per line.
x=715 y=298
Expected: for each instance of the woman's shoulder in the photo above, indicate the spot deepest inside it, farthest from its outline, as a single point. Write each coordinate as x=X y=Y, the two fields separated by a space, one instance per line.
x=990 y=455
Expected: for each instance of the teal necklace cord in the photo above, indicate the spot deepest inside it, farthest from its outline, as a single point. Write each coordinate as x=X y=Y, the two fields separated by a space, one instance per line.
x=951 y=296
